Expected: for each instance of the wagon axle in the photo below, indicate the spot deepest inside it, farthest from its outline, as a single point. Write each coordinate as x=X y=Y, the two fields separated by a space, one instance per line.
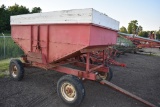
x=70 y=88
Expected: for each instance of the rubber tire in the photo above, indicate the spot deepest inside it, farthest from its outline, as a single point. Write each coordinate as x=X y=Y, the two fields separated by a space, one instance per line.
x=109 y=75
x=20 y=69
x=84 y=60
x=78 y=87
x=123 y=53
x=118 y=55
x=135 y=52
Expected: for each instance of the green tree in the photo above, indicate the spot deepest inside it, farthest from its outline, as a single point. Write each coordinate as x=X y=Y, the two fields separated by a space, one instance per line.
x=4 y=18
x=16 y=9
x=140 y=29
x=144 y=33
x=158 y=34
x=5 y=14
x=36 y=10
x=123 y=29
x=132 y=26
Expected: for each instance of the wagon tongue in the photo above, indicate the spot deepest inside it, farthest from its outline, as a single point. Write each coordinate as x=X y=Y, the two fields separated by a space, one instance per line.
x=111 y=85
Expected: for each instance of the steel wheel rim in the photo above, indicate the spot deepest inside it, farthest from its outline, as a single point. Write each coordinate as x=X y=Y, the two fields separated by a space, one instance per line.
x=103 y=76
x=68 y=91
x=14 y=71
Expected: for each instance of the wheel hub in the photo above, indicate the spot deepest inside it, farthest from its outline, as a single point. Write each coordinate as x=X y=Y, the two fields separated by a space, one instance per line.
x=14 y=71
x=68 y=91
x=103 y=75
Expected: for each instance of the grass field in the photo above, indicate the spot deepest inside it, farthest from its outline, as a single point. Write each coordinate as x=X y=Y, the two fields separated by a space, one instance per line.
x=4 y=64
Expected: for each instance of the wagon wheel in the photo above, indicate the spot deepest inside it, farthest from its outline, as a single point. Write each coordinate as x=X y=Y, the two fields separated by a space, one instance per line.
x=118 y=55
x=16 y=69
x=106 y=75
x=70 y=90
x=83 y=59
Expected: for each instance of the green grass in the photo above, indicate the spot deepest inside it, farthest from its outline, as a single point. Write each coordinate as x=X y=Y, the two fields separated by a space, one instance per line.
x=4 y=67
x=2 y=75
x=11 y=49
x=4 y=64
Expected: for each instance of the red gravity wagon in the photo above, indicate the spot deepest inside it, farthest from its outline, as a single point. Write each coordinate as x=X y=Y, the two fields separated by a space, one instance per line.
x=51 y=40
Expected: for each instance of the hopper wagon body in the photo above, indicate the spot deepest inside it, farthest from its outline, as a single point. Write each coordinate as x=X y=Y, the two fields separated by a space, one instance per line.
x=51 y=40
x=62 y=34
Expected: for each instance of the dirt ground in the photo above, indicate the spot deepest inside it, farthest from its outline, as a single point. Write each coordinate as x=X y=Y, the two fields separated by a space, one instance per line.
x=38 y=88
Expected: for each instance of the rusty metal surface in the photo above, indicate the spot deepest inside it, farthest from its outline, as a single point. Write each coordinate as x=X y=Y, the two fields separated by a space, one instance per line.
x=107 y=58
x=88 y=73
x=36 y=57
x=99 y=68
x=142 y=42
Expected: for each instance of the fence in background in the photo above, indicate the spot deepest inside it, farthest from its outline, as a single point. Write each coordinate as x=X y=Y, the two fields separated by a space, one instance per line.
x=8 y=49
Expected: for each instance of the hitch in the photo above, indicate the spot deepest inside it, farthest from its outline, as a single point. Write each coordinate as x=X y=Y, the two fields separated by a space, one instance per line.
x=113 y=86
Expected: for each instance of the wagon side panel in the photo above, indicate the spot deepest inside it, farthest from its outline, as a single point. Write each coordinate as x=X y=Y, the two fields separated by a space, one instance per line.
x=102 y=36
x=34 y=37
x=67 y=39
x=22 y=36
x=44 y=40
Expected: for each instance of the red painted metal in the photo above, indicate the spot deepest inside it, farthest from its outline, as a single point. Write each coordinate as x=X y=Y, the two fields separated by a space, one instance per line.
x=36 y=57
x=52 y=46
x=98 y=68
x=114 y=62
x=87 y=62
x=142 y=42
x=126 y=93
x=61 y=41
x=104 y=57
x=79 y=73
x=88 y=73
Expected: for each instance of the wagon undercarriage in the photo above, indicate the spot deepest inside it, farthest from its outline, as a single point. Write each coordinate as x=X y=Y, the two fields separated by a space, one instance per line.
x=75 y=38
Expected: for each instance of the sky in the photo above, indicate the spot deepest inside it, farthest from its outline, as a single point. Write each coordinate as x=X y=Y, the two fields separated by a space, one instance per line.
x=147 y=12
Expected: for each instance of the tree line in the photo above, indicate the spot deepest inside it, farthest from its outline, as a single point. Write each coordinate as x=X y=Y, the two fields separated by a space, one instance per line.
x=11 y=49
x=134 y=28
x=6 y=12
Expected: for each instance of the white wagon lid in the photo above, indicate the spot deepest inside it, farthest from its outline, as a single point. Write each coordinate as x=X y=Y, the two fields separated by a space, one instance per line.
x=74 y=16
